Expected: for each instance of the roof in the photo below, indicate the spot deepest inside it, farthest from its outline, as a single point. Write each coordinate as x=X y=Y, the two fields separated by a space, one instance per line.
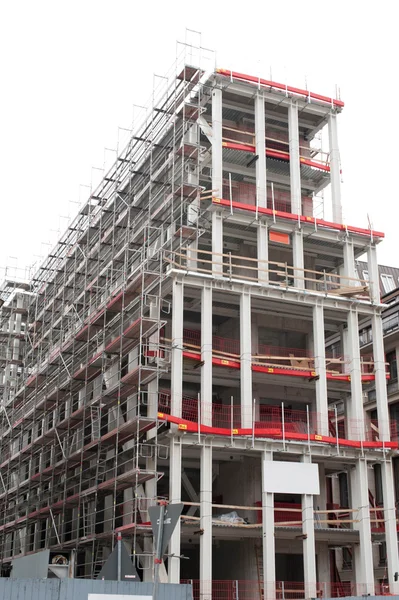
x=389 y=277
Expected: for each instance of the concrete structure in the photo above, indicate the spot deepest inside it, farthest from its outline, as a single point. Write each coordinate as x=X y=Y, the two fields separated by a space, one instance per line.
x=172 y=345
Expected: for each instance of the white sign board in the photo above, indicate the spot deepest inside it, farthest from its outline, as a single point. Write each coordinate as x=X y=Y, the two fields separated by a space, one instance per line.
x=117 y=597
x=291 y=478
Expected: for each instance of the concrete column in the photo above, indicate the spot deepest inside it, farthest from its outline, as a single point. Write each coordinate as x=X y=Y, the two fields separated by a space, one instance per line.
x=246 y=360
x=268 y=537
x=320 y=368
x=391 y=536
x=217 y=178
x=348 y=268
x=263 y=251
x=323 y=569
x=335 y=169
x=295 y=169
x=355 y=409
x=206 y=523
x=298 y=260
x=321 y=500
x=309 y=548
x=380 y=378
x=363 y=554
x=206 y=356
x=175 y=470
x=176 y=379
x=260 y=145
x=374 y=275
x=175 y=463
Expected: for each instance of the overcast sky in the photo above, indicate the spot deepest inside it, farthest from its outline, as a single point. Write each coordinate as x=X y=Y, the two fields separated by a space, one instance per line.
x=72 y=71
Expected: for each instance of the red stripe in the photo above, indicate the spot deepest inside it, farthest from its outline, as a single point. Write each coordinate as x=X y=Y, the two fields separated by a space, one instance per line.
x=280 y=86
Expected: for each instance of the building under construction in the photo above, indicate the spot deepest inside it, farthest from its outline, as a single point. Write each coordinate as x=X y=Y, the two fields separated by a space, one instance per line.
x=172 y=347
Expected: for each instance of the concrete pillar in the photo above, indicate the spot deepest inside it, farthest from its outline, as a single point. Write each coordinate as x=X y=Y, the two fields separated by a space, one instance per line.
x=268 y=537
x=321 y=499
x=323 y=569
x=297 y=259
x=391 y=536
x=206 y=356
x=380 y=378
x=348 y=268
x=260 y=149
x=374 y=276
x=295 y=170
x=246 y=360
x=175 y=463
x=176 y=379
x=355 y=408
x=309 y=548
x=363 y=554
x=335 y=168
x=217 y=179
x=320 y=368
x=175 y=470
x=263 y=251
x=206 y=522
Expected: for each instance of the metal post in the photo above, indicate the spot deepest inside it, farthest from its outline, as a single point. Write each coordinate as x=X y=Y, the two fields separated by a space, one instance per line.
x=158 y=557
x=308 y=425
x=231 y=418
x=336 y=428
x=283 y=423
x=253 y=423
x=199 y=418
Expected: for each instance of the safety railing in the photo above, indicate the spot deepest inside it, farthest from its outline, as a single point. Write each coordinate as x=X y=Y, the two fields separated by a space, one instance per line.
x=233 y=266
x=279 y=590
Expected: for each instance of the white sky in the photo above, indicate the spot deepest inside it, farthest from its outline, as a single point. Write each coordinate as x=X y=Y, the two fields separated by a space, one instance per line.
x=72 y=70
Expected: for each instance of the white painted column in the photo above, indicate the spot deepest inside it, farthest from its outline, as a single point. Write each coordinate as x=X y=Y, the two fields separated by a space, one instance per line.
x=175 y=470
x=320 y=368
x=295 y=170
x=335 y=168
x=175 y=463
x=323 y=569
x=206 y=355
x=217 y=178
x=355 y=408
x=364 y=551
x=297 y=259
x=391 y=536
x=374 y=276
x=260 y=149
x=263 y=251
x=309 y=547
x=268 y=537
x=380 y=379
x=348 y=269
x=246 y=360
x=206 y=522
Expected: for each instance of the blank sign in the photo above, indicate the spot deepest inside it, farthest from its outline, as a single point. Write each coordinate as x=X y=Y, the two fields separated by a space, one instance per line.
x=291 y=478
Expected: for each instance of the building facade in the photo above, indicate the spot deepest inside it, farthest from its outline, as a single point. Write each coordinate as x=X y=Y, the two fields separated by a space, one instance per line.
x=172 y=346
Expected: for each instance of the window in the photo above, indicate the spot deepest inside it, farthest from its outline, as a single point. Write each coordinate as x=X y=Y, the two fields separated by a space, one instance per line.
x=346 y=559
x=366 y=275
x=343 y=490
x=393 y=367
x=387 y=282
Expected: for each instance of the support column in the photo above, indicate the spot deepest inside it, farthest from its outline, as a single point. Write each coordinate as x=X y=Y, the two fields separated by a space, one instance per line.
x=355 y=409
x=260 y=149
x=246 y=360
x=391 y=536
x=384 y=428
x=194 y=208
x=364 y=552
x=175 y=464
x=206 y=522
x=335 y=169
x=295 y=171
x=320 y=368
x=206 y=356
x=268 y=537
x=175 y=469
x=323 y=569
x=217 y=179
x=309 y=548
x=263 y=251
x=297 y=258
x=374 y=276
